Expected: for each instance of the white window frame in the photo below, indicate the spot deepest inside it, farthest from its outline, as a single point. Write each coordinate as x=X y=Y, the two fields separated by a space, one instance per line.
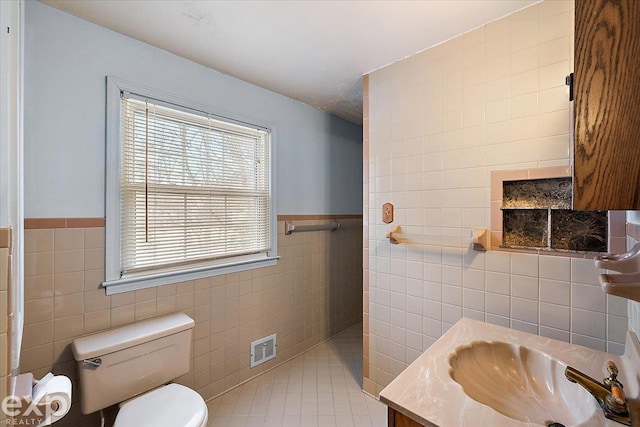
x=113 y=283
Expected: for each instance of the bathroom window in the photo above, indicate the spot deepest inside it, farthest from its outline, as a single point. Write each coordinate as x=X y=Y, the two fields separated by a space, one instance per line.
x=191 y=196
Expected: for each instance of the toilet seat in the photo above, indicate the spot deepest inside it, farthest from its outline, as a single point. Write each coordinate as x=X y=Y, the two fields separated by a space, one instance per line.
x=173 y=405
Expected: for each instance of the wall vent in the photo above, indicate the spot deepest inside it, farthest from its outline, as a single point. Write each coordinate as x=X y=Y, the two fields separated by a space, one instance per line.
x=263 y=349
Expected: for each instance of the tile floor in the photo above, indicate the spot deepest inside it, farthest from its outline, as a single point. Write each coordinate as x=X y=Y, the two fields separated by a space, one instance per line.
x=320 y=388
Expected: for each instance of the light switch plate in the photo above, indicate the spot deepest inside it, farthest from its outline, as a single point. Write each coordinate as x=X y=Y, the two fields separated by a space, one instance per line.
x=387 y=213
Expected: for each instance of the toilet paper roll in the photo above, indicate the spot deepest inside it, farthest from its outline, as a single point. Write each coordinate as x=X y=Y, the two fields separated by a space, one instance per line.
x=55 y=398
x=38 y=390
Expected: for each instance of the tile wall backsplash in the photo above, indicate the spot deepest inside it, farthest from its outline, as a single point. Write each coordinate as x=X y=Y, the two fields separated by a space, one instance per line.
x=313 y=293
x=436 y=125
x=367 y=384
x=633 y=237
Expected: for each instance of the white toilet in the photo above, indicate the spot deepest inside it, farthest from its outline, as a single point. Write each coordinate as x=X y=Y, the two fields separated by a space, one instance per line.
x=132 y=364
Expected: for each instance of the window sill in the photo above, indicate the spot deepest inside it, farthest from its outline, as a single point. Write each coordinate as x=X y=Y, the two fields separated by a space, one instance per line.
x=128 y=284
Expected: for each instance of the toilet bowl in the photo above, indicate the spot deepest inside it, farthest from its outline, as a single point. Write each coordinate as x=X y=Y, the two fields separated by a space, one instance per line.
x=132 y=365
x=171 y=405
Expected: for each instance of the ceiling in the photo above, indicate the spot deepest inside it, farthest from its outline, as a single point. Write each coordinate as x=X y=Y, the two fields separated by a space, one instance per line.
x=312 y=51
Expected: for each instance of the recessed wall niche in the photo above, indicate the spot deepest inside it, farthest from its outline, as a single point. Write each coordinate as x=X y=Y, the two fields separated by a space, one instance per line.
x=537 y=214
x=531 y=212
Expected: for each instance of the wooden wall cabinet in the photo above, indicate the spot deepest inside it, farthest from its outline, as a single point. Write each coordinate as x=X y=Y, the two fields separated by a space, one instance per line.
x=606 y=88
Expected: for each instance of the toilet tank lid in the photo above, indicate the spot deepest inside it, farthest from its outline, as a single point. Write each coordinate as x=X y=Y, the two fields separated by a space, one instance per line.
x=107 y=342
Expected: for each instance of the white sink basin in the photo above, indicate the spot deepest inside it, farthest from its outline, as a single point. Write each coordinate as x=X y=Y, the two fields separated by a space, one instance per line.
x=520 y=382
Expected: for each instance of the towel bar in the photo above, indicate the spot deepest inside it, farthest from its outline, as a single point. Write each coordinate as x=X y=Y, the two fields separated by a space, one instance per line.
x=290 y=228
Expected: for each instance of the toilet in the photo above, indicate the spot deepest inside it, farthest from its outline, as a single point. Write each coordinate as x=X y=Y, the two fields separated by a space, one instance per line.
x=133 y=366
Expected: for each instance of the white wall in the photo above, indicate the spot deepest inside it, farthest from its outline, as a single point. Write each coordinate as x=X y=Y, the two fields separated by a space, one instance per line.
x=319 y=156
x=9 y=117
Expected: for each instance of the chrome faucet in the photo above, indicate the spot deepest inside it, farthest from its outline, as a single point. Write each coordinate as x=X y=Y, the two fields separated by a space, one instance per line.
x=609 y=395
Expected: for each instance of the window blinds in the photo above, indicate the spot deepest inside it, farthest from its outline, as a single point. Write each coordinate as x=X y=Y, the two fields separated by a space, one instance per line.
x=193 y=189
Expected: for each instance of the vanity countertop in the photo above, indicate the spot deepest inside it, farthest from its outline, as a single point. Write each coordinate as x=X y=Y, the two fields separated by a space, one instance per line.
x=425 y=391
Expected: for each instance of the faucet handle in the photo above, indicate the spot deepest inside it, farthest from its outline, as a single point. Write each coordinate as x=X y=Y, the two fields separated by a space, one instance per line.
x=616 y=401
x=613 y=371
x=618 y=394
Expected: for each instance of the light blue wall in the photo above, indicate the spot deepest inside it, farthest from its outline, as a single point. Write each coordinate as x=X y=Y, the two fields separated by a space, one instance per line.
x=319 y=156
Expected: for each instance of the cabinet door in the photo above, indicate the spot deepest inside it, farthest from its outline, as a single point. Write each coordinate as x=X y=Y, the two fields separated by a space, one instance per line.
x=607 y=105
x=396 y=419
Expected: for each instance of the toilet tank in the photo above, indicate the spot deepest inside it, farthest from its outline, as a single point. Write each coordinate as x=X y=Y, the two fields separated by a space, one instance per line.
x=115 y=365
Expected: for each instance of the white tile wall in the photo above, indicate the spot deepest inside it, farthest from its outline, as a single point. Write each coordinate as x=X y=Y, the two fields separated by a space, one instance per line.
x=633 y=237
x=439 y=123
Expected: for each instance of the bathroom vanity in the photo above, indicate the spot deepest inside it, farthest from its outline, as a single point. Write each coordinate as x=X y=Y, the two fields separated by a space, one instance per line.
x=398 y=419
x=482 y=374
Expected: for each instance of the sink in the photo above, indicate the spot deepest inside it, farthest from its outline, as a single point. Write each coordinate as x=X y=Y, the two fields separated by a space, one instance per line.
x=520 y=382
